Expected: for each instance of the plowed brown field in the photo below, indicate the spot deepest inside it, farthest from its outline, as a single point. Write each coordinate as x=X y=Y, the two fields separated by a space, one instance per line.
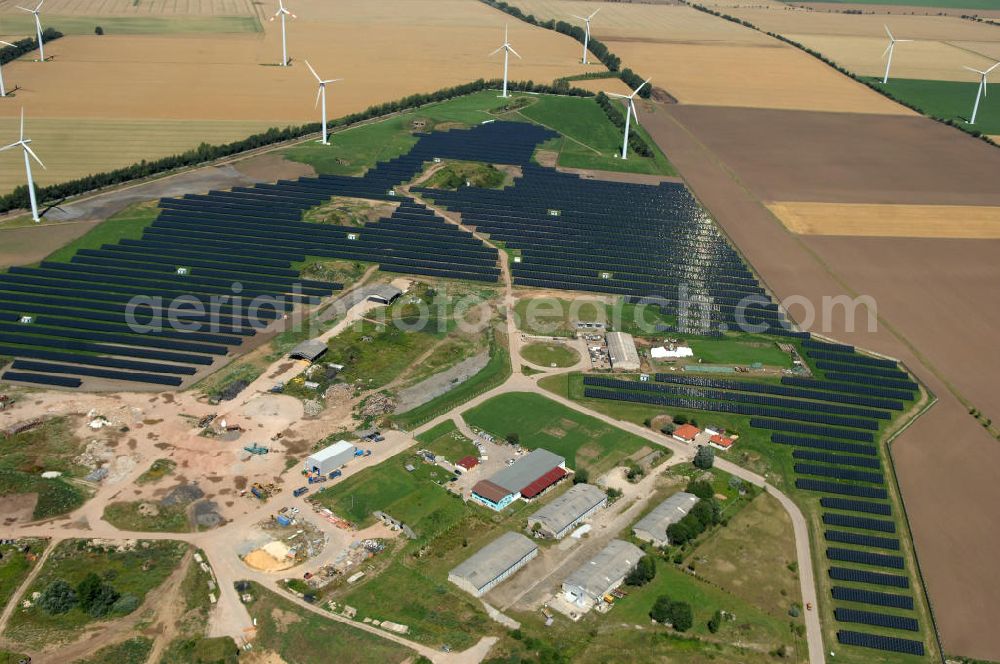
x=848 y=158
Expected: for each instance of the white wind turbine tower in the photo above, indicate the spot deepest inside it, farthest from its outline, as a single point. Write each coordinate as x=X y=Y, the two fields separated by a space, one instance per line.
x=282 y=13
x=888 y=51
x=981 y=90
x=38 y=26
x=629 y=113
x=3 y=90
x=321 y=96
x=586 y=37
x=507 y=50
x=23 y=144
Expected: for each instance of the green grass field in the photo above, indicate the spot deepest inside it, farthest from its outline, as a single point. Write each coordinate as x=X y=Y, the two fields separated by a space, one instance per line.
x=436 y=611
x=592 y=139
x=544 y=355
x=135 y=571
x=416 y=498
x=283 y=627
x=943 y=4
x=446 y=440
x=947 y=100
x=740 y=351
x=126 y=516
x=15 y=565
x=135 y=25
x=585 y=442
x=133 y=651
x=127 y=224
x=51 y=446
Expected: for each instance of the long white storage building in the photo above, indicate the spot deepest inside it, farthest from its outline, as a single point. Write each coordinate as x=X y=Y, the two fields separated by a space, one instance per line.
x=496 y=561
x=330 y=458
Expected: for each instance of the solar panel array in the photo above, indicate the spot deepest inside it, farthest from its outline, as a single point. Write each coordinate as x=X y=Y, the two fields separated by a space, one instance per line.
x=201 y=245
x=888 y=643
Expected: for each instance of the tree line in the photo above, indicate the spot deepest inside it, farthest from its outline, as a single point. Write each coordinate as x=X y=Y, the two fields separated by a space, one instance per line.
x=18 y=198
x=595 y=46
x=27 y=45
x=635 y=141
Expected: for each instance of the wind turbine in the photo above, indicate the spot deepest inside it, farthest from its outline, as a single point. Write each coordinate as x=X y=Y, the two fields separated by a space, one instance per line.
x=282 y=12
x=507 y=50
x=3 y=90
x=629 y=113
x=321 y=95
x=586 y=37
x=888 y=50
x=981 y=90
x=23 y=144
x=38 y=26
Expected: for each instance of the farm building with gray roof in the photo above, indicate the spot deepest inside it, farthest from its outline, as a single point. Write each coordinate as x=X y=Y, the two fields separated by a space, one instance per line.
x=496 y=561
x=653 y=526
x=556 y=519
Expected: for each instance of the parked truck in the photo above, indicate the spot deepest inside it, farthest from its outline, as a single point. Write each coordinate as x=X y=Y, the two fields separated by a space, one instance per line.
x=361 y=452
x=258 y=492
x=335 y=474
x=301 y=490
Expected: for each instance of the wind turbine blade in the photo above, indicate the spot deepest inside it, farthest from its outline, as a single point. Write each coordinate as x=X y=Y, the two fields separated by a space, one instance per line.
x=22 y=123
x=636 y=91
x=992 y=68
x=34 y=156
x=903 y=40
x=8 y=147
x=496 y=51
x=39 y=5
x=888 y=32
x=25 y=9
x=579 y=17
x=975 y=70
x=887 y=49
x=615 y=95
x=6 y=43
x=511 y=48
x=331 y=80
x=313 y=71
x=319 y=93
x=594 y=14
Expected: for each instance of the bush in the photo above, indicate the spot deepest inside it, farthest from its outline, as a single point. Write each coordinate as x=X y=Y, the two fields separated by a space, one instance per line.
x=701 y=489
x=661 y=609
x=681 y=616
x=96 y=597
x=704 y=458
x=514 y=438
x=125 y=605
x=58 y=597
x=643 y=573
x=715 y=622
x=581 y=476
x=98 y=31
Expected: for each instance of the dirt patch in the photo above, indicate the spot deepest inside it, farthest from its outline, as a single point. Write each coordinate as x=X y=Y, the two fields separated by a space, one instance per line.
x=28 y=245
x=851 y=158
x=265 y=562
x=17 y=508
x=273 y=167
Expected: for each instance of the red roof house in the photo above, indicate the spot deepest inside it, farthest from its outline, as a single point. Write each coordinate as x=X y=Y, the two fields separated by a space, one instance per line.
x=468 y=462
x=721 y=442
x=543 y=482
x=686 y=433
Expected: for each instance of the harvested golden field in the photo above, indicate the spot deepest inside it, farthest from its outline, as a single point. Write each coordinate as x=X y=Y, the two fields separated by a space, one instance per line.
x=942 y=46
x=865 y=220
x=921 y=59
x=88 y=145
x=220 y=88
x=130 y=8
x=775 y=77
x=933 y=28
x=645 y=22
